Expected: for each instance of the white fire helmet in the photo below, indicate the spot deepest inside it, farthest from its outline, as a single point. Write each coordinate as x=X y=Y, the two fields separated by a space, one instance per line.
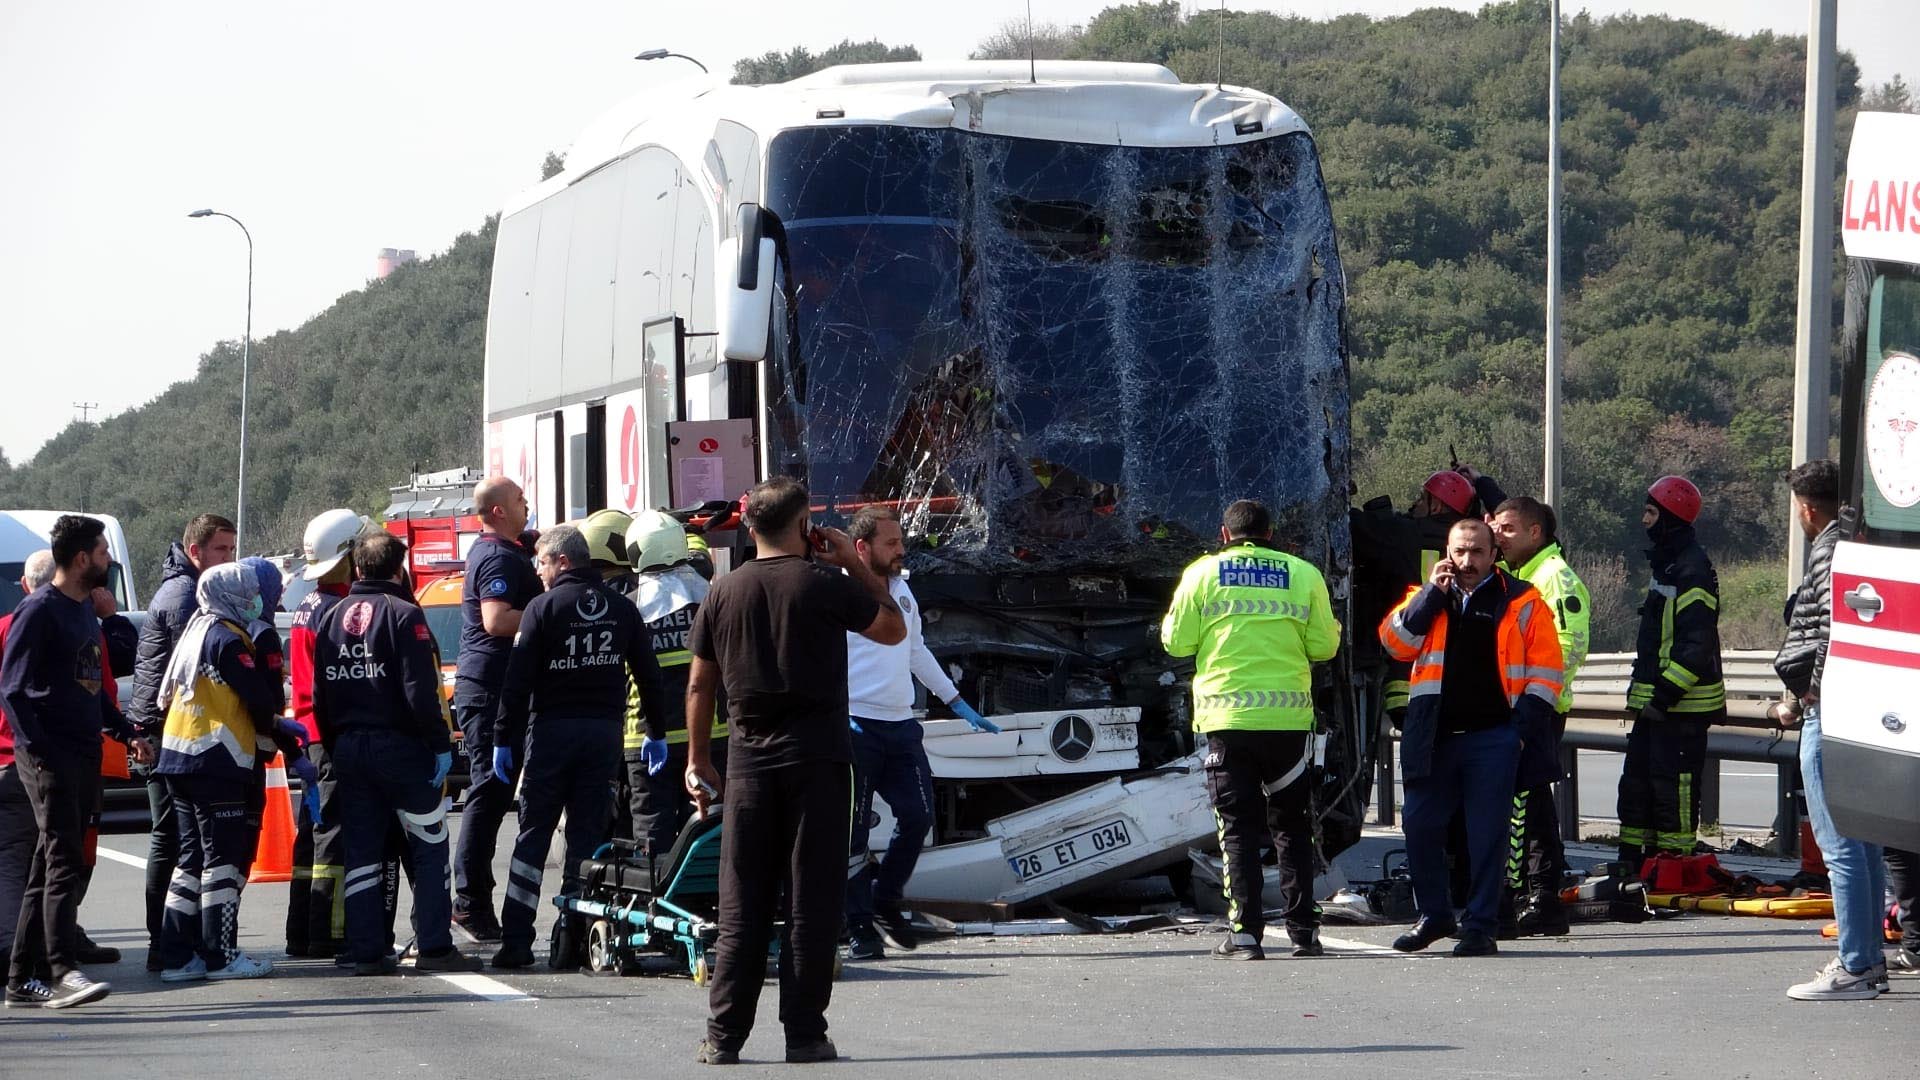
x=329 y=539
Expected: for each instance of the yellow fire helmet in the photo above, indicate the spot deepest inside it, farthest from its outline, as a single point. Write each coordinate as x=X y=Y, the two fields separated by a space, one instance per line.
x=655 y=542
x=606 y=532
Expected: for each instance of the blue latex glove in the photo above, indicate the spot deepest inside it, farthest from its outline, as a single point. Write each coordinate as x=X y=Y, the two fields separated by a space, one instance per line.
x=442 y=762
x=654 y=753
x=293 y=731
x=305 y=770
x=502 y=764
x=855 y=725
x=972 y=716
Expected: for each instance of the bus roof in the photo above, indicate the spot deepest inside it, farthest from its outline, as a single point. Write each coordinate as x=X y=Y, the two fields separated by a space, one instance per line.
x=1065 y=101
x=1881 y=215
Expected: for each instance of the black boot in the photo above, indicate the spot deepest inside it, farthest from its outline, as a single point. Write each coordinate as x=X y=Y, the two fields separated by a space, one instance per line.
x=1545 y=917
x=1306 y=941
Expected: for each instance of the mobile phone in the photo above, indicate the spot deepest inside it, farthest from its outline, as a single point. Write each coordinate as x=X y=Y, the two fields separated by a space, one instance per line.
x=710 y=791
x=818 y=539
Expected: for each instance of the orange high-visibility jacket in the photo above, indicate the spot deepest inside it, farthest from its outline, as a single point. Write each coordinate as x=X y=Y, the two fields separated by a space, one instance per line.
x=1528 y=651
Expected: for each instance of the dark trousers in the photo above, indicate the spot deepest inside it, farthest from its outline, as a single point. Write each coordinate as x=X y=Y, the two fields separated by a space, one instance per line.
x=314 y=915
x=1536 y=857
x=889 y=760
x=570 y=767
x=60 y=790
x=488 y=800
x=1903 y=877
x=658 y=804
x=163 y=850
x=19 y=836
x=1261 y=791
x=382 y=775
x=219 y=830
x=1659 y=804
x=1473 y=773
x=786 y=828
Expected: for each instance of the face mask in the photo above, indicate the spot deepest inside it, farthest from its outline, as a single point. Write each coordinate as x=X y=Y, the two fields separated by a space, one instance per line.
x=254 y=608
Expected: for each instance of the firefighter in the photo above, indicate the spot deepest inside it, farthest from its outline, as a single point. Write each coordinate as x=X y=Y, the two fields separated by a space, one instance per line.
x=376 y=698
x=668 y=591
x=563 y=700
x=1525 y=531
x=1486 y=674
x=1257 y=620
x=315 y=920
x=1676 y=691
x=500 y=582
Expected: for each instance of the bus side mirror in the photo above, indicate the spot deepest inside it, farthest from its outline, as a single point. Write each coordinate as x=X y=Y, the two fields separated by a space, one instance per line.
x=746 y=298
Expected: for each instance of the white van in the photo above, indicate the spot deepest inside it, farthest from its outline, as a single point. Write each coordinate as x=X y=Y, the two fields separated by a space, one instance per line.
x=23 y=532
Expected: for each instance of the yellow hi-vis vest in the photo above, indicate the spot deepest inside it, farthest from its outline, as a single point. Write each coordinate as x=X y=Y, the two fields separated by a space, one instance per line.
x=1566 y=596
x=1256 y=620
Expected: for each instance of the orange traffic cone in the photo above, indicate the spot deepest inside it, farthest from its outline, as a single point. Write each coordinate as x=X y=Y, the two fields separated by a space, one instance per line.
x=273 y=859
x=1810 y=860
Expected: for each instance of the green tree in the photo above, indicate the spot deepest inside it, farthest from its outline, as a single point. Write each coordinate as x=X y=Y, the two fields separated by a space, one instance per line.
x=779 y=67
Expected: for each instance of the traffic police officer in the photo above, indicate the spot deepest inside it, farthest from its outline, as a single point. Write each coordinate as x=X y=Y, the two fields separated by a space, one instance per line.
x=1525 y=530
x=1257 y=619
x=1676 y=691
x=564 y=699
x=376 y=695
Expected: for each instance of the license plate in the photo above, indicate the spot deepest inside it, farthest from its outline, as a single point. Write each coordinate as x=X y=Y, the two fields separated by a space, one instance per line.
x=1081 y=846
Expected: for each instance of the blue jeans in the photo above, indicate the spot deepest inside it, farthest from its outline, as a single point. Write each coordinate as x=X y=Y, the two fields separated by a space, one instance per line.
x=1472 y=773
x=382 y=775
x=1854 y=867
x=889 y=760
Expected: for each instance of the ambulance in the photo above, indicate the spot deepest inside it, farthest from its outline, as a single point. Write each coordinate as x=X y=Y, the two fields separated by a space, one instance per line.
x=1870 y=707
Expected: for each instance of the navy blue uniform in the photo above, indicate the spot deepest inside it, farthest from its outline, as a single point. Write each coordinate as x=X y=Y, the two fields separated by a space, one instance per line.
x=501 y=570
x=51 y=681
x=565 y=701
x=376 y=696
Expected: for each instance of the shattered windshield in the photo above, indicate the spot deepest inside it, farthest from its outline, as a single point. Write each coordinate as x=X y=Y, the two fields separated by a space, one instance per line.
x=1060 y=355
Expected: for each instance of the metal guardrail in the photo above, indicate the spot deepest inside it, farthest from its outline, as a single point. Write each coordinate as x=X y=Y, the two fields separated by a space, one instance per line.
x=1600 y=721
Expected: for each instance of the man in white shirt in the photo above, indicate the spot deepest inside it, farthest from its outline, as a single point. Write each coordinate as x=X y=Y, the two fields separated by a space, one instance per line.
x=889 y=759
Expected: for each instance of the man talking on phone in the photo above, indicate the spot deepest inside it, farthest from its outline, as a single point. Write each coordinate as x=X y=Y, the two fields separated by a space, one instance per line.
x=1486 y=676
x=773 y=632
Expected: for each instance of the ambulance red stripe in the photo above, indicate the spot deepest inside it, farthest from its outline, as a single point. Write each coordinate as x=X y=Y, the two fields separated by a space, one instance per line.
x=1899 y=603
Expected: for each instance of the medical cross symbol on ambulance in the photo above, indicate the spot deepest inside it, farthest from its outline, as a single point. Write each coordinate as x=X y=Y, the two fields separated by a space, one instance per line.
x=1893 y=414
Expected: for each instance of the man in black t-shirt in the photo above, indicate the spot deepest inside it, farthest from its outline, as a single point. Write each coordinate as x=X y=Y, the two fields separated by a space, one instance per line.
x=771 y=632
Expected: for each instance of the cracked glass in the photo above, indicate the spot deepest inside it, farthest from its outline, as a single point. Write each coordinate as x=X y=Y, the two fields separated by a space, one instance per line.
x=1059 y=356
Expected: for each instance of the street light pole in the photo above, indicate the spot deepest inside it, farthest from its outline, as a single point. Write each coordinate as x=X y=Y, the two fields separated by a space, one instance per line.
x=246 y=350
x=1550 y=486
x=662 y=54
x=1813 y=333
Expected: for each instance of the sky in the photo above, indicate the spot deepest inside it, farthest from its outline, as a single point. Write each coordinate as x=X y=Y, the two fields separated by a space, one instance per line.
x=336 y=130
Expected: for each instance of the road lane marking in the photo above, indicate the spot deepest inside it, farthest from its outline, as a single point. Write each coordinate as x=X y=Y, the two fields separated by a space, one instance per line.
x=1334 y=944
x=134 y=861
x=484 y=988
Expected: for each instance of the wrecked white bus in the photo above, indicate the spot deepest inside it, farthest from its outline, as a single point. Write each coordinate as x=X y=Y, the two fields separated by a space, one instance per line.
x=1056 y=316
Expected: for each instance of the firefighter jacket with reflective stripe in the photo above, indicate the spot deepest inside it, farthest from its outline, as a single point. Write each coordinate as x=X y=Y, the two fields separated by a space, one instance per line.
x=1256 y=620
x=668 y=601
x=1527 y=648
x=1676 y=664
x=1566 y=596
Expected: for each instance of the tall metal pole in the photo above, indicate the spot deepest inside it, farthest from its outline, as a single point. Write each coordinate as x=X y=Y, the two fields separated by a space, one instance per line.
x=1813 y=335
x=246 y=357
x=1550 y=485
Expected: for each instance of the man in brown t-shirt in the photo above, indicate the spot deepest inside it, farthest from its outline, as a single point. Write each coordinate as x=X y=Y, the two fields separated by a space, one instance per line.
x=773 y=632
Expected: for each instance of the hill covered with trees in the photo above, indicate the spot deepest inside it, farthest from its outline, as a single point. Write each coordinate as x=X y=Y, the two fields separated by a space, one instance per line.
x=1682 y=167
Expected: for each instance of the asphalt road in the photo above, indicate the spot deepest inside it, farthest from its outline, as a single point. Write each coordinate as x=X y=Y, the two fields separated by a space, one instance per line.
x=1697 y=996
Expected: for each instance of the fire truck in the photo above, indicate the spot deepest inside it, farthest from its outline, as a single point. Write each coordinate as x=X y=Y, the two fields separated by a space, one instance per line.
x=433 y=513
x=1870 y=707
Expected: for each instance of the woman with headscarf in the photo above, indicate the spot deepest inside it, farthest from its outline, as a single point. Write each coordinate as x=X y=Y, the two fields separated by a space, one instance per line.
x=221 y=699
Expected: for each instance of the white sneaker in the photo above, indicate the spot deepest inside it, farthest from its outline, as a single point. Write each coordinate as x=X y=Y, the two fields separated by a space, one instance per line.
x=192 y=971
x=1836 y=983
x=242 y=967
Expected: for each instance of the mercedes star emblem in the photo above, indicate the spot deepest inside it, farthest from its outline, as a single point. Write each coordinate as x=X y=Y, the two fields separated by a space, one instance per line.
x=1071 y=738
